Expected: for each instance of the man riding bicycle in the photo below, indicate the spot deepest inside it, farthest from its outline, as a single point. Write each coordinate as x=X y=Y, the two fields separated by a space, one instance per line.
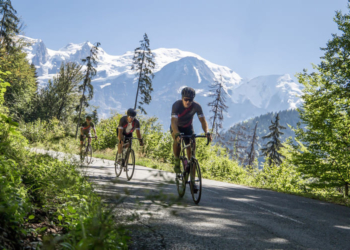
x=85 y=130
x=181 y=122
x=127 y=125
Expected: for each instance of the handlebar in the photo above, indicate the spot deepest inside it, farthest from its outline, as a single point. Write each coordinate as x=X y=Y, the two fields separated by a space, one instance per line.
x=195 y=136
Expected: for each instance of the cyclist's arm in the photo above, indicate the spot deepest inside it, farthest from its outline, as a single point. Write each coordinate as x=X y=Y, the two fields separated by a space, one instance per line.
x=138 y=133
x=120 y=134
x=204 y=124
x=81 y=131
x=95 y=131
x=174 y=118
x=174 y=125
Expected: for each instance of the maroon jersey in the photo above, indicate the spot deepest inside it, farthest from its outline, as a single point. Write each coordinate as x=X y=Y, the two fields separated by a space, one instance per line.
x=185 y=115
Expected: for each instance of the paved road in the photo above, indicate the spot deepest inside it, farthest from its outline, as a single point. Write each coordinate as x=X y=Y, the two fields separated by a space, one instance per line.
x=228 y=217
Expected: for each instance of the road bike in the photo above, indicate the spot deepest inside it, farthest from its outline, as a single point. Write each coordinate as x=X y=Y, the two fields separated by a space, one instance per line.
x=190 y=169
x=86 y=152
x=127 y=162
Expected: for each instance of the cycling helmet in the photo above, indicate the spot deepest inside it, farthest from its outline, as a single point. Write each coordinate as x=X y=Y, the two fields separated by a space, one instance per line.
x=131 y=112
x=188 y=92
x=89 y=118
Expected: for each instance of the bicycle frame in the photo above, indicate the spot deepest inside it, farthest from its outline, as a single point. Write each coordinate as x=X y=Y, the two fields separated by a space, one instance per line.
x=192 y=144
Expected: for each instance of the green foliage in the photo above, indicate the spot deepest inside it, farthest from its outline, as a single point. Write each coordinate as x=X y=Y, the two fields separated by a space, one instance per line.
x=59 y=98
x=32 y=185
x=107 y=133
x=43 y=131
x=19 y=96
x=325 y=113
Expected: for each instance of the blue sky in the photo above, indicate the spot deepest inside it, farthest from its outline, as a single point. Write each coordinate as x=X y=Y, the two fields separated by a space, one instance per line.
x=252 y=37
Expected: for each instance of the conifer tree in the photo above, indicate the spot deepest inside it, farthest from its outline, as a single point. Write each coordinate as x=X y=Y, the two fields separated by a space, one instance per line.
x=143 y=65
x=274 y=145
x=217 y=106
x=90 y=72
x=326 y=114
x=9 y=24
x=252 y=152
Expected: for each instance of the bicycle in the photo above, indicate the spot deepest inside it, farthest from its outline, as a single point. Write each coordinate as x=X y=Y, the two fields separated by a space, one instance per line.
x=192 y=167
x=86 y=154
x=126 y=153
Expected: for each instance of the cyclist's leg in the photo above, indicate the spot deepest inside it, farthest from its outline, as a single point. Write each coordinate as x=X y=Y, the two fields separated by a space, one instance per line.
x=120 y=148
x=89 y=135
x=81 y=142
x=176 y=151
x=188 y=131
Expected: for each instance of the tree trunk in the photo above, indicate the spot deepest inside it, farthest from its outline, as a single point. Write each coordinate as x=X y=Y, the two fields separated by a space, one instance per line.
x=138 y=85
x=346 y=191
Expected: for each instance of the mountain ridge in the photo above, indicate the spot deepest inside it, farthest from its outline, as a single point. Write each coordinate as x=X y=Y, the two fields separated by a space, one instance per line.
x=115 y=85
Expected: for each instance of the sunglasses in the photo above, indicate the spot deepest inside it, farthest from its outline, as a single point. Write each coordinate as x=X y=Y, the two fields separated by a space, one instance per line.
x=188 y=99
x=132 y=117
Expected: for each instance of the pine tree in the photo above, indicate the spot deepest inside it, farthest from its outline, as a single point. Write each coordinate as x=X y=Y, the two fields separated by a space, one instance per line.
x=90 y=72
x=252 y=152
x=143 y=65
x=326 y=114
x=9 y=24
x=272 y=147
x=218 y=105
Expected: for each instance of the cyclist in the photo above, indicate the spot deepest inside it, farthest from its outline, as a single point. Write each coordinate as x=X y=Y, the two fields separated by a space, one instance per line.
x=85 y=130
x=127 y=125
x=181 y=122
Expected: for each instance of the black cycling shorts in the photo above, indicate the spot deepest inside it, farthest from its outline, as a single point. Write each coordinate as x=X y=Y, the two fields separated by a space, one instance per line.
x=186 y=131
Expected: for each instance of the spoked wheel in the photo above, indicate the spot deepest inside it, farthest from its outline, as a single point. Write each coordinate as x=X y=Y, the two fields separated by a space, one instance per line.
x=88 y=154
x=196 y=194
x=130 y=164
x=181 y=181
x=118 y=167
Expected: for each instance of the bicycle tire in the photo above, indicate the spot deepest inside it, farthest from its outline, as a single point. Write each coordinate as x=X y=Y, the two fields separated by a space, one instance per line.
x=117 y=167
x=181 y=181
x=88 y=156
x=130 y=170
x=198 y=180
x=83 y=152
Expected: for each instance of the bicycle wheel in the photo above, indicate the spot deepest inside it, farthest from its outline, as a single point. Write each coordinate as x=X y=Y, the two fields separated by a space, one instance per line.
x=88 y=155
x=130 y=164
x=181 y=181
x=83 y=153
x=118 y=167
x=196 y=196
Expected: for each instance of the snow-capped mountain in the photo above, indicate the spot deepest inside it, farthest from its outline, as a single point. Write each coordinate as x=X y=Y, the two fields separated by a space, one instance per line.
x=115 y=84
